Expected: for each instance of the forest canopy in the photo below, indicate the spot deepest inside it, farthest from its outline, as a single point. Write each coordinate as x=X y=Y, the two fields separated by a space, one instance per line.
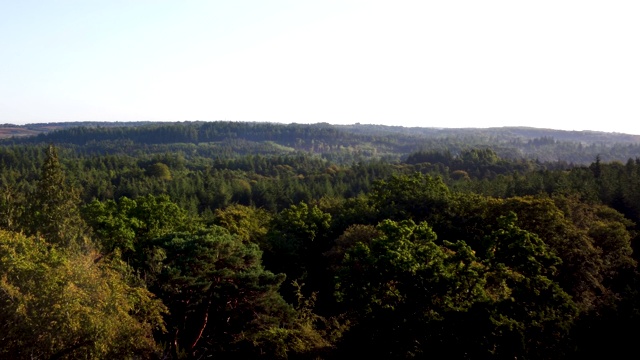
x=248 y=240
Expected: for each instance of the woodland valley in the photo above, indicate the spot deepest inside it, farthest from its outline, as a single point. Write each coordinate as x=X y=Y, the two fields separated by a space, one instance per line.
x=238 y=240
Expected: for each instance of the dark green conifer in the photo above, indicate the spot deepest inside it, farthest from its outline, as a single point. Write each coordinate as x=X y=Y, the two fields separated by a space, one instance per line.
x=54 y=212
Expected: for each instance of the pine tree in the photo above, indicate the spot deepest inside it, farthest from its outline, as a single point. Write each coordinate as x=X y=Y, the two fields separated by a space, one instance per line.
x=54 y=212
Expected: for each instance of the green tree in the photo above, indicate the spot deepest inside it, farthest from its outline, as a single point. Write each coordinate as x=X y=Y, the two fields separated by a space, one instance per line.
x=571 y=229
x=113 y=223
x=351 y=237
x=129 y=225
x=159 y=170
x=221 y=300
x=536 y=318
x=58 y=304
x=54 y=206
x=411 y=295
x=401 y=287
x=12 y=208
x=418 y=197
x=298 y=237
x=247 y=222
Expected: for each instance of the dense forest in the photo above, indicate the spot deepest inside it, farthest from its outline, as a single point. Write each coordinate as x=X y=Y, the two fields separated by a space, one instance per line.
x=340 y=143
x=234 y=240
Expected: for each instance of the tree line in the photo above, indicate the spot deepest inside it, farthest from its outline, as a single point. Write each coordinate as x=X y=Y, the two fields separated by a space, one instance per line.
x=340 y=143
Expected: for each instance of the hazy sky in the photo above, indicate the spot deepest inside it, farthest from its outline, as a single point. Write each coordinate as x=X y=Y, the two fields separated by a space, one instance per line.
x=480 y=63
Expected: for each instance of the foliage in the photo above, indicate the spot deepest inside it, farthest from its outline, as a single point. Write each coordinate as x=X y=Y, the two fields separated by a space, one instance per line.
x=248 y=223
x=533 y=258
x=56 y=304
x=129 y=225
x=411 y=296
x=416 y=196
x=54 y=206
x=222 y=301
x=402 y=283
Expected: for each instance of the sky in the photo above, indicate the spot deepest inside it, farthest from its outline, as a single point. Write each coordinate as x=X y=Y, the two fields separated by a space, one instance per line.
x=568 y=65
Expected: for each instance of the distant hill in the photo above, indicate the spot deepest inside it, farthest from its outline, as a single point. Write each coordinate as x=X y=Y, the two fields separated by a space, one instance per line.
x=8 y=131
x=345 y=142
x=11 y=130
x=523 y=133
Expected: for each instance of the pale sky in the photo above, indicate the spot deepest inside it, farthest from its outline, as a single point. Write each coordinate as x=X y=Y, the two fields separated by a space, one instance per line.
x=571 y=65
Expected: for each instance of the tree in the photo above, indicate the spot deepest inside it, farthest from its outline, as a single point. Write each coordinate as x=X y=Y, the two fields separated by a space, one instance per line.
x=536 y=317
x=351 y=237
x=568 y=230
x=159 y=170
x=402 y=288
x=221 y=300
x=418 y=197
x=54 y=206
x=12 y=208
x=248 y=223
x=129 y=225
x=411 y=295
x=58 y=304
x=295 y=243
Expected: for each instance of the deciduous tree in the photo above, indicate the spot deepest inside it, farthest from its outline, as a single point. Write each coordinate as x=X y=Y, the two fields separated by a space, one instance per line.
x=58 y=304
